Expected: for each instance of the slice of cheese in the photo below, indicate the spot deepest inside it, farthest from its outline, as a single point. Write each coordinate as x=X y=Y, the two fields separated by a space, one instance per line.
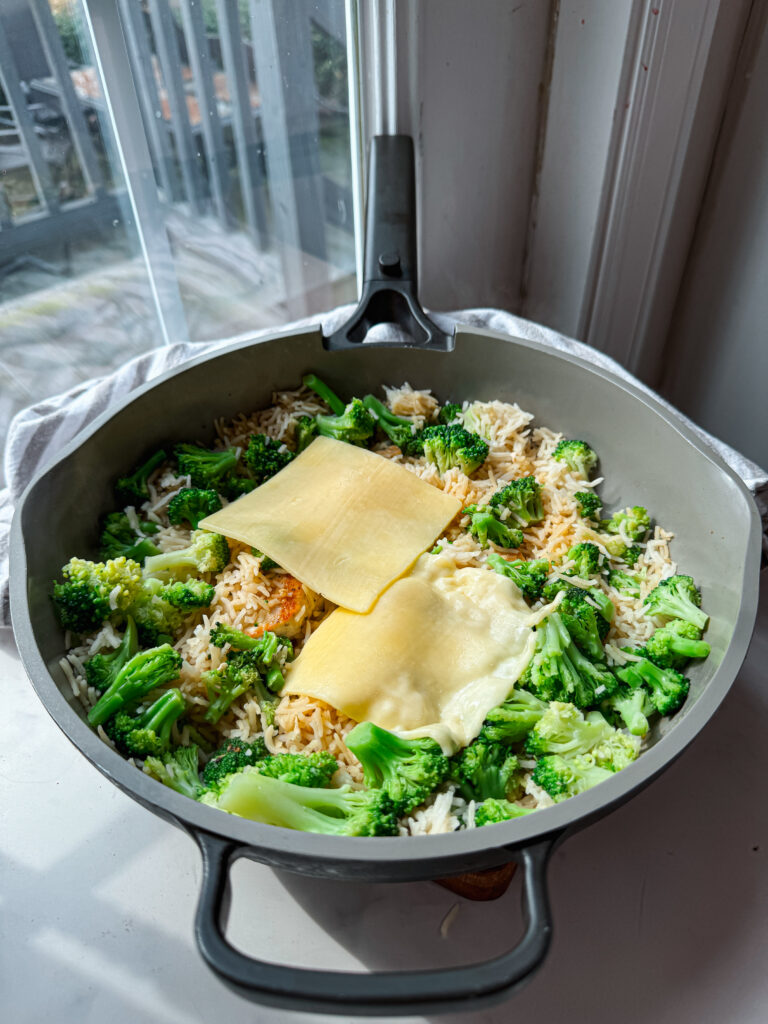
x=343 y=520
x=440 y=648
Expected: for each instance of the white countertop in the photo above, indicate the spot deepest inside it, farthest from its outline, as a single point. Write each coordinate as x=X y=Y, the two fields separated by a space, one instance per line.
x=659 y=909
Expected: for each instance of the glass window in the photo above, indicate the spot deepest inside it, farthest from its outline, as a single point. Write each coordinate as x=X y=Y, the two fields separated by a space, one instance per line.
x=245 y=108
x=169 y=169
x=75 y=296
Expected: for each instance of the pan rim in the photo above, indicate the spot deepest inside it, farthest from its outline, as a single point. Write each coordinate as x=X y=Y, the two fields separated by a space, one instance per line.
x=427 y=855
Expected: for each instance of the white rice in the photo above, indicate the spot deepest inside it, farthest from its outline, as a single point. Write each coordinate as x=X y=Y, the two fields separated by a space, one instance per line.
x=248 y=599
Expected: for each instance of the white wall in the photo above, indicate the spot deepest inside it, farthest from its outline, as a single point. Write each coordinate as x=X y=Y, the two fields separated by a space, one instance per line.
x=718 y=344
x=470 y=80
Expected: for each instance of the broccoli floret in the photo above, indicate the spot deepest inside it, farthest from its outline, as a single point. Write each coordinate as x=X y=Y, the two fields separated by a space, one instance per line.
x=617 y=549
x=577 y=455
x=587 y=559
x=192 y=504
x=270 y=643
x=270 y=652
x=677 y=598
x=157 y=620
x=234 y=755
x=511 y=721
x=132 y=489
x=490 y=812
x=522 y=498
x=206 y=552
x=267 y=563
x=233 y=486
x=589 y=504
x=177 y=770
x=563 y=729
x=633 y=523
x=631 y=705
x=667 y=687
x=189 y=594
x=354 y=425
x=339 y=812
x=625 y=582
x=92 y=591
x=147 y=734
x=205 y=468
x=673 y=644
x=485 y=770
x=485 y=526
x=559 y=671
x=616 y=751
x=144 y=672
x=452 y=446
x=449 y=413
x=529 y=577
x=102 y=669
x=631 y=554
x=256 y=667
x=225 y=685
x=265 y=457
x=604 y=607
x=306 y=432
x=118 y=538
x=240 y=675
x=603 y=603
x=563 y=777
x=316 y=769
x=399 y=430
x=322 y=390
x=408 y=770
x=584 y=622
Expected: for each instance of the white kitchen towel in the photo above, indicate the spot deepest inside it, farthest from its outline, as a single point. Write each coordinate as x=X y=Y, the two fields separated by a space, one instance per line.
x=38 y=433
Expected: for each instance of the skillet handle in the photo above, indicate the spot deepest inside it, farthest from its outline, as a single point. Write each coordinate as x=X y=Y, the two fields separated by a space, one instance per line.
x=390 y=276
x=380 y=993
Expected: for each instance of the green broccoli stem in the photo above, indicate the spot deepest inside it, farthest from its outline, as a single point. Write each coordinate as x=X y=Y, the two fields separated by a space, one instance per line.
x=492 y=811
x=102 y=669
x=134 y=486
x=632 y=707
x=228 y=693
x=160 y=716
x=207 y=552
x=377 y=750
x=322 y=390
x=169 y=561
x=400 y=431
x=178 y=770
x=251 y=794
x=222 y=634
x=144 y=672
x=383 y=414
x=408 y=770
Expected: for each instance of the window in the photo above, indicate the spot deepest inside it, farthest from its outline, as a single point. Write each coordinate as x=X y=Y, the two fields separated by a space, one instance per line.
x=169 y=170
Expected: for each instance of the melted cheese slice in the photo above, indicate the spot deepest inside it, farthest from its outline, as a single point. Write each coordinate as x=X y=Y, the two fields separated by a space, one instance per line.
x=440 y=648
x=343 y=520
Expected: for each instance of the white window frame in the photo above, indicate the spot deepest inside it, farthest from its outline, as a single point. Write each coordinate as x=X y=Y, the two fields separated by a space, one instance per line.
x=633 y=93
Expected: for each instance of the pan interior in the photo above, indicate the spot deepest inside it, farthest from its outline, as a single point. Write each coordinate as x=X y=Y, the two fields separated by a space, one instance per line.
x=644 y=459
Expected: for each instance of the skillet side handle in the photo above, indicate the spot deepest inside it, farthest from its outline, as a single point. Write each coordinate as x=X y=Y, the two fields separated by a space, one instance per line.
x=380 y=993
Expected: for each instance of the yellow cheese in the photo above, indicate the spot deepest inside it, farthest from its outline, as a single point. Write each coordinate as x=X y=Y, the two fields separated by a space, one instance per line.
x=343 y=520
x=440 y=648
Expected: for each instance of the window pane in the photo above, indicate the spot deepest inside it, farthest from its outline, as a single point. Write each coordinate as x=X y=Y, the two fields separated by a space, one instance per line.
x=75 y=299
x=242 y=112
x=245 y=109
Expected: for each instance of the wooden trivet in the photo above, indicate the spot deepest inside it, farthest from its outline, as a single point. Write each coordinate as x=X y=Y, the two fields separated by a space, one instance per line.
x=481 y=885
